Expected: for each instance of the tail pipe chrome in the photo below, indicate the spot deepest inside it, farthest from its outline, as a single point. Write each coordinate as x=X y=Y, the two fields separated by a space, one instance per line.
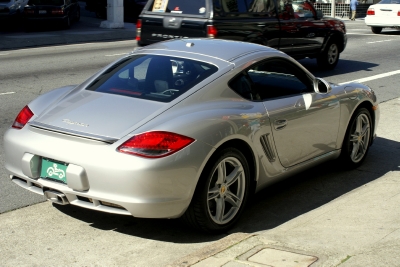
x=56 y=197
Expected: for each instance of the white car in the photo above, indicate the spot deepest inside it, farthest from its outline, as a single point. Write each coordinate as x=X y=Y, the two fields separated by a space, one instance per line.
x=385 y=14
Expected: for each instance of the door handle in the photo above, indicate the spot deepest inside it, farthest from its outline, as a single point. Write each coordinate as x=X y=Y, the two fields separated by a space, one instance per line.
x=280 y=124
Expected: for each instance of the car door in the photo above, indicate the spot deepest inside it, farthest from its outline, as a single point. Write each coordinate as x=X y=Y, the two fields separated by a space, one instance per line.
x=304 y=123
x=309 y=33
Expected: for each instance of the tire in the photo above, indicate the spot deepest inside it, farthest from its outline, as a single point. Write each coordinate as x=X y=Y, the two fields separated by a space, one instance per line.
x=101 y=13
x=218 y=202
x=67 y=23
x=329 y=58
x=357 y=139
x=78 y=15
x=376 y=30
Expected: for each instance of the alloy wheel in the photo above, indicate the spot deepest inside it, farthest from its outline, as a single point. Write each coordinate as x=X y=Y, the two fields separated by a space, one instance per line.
x=226 y=190
x=359 y=138
x=333 y=53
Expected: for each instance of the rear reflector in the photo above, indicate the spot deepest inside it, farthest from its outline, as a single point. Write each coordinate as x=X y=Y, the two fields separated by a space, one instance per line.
x=57 y=11
x=156 y=144
x=211 y=31
x=23 y=117
x=138 y=29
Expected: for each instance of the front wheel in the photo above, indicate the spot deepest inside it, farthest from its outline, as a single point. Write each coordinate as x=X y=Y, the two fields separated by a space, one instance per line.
x=221 y=193
x=357 y=139
x=376 y=30
x=329 y=58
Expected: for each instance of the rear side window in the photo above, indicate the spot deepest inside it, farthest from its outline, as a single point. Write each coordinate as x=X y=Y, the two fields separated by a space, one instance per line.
x=184 y=7
x=248 y=6
x=389 y=2
x=152 y=77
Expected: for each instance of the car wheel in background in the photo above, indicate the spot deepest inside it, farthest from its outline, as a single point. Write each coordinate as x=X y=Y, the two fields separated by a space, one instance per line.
x=221 y=192
x=329 y=58
x=357 y=139
x=67 y=23
x=78 y=15
x=101 y=13
x=376 y=30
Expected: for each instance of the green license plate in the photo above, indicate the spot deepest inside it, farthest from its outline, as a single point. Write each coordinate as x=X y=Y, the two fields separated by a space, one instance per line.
x=56 y=171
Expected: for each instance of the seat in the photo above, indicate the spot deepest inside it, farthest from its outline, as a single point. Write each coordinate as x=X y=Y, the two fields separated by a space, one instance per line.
x=159 y=76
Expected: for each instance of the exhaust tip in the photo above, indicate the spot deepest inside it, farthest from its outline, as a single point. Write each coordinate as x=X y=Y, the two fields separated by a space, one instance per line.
x=56 y=197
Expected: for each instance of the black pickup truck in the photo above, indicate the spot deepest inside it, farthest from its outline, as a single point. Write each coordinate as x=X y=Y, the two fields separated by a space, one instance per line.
x=294 y=27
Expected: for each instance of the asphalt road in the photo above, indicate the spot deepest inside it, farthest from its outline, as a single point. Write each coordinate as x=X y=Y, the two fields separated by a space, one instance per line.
x=27 y=73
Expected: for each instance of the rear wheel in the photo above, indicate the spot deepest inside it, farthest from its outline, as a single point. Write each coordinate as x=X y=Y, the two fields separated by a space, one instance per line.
x=357 y=139
x=221 y=193
x=67 y=23
x=78 y=15
x=329 y=58
x=376 y=30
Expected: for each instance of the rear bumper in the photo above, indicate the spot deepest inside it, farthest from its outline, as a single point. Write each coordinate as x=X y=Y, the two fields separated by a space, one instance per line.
x=372 y=21
x=108 y=180
x=44 y=19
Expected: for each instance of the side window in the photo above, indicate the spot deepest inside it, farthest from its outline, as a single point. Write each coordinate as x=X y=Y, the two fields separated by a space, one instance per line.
x=271 y=79
x=266 y=7
x=285 y=9
x=303 y=10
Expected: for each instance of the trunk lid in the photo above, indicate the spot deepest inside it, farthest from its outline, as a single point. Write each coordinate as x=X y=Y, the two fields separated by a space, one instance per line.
x=88 y=113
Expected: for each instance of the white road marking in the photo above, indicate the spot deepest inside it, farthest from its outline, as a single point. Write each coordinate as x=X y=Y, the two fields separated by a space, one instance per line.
x=371 y=34
x=7 y=93
x=114 y=55
x=379 y=76
x=4 y=54
x=379 y=41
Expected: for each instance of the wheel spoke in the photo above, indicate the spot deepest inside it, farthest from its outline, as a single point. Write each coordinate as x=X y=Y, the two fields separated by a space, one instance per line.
x=234 y=175
x=219 y=214
x=354 y=138
x=213 y=193
x=232 y=199
x=221 y=172
x=359 y=125
x=354 y=152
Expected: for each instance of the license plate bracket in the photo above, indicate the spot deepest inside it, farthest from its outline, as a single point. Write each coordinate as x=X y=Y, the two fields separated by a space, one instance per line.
x=54 y=170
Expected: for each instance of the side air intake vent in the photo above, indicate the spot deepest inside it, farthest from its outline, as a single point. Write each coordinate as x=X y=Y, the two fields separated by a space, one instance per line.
x=266 y=145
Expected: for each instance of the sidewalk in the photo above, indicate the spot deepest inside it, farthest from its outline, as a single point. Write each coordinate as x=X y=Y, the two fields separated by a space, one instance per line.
x=86 y=30
x=360 y=228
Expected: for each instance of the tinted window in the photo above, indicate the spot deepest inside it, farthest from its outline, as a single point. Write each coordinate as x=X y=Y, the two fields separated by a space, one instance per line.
x=194 y=7
x=46 y=2
x=248 y=6
x=302 y=10
x=389 y=2
x=152 y=77
x=271 y=79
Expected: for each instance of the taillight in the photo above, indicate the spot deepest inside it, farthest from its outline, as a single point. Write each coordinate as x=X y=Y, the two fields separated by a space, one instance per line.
x=211 y=31
x=156 y=144
x=370 y=12
x=57 y=11
x=23 y=117
x=138 y=29
x=398 y=13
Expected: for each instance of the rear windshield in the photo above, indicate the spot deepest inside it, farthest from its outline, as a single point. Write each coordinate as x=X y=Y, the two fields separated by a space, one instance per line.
x=46 y=2
x=152 y=77
x=185 y=7
x=389 y=2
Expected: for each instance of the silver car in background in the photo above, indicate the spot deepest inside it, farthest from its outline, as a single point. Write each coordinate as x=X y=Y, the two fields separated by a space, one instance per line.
x=186 y=128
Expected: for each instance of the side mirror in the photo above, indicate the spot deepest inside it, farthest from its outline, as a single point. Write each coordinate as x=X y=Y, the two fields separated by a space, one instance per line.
x=320 y=15
x=321 y=86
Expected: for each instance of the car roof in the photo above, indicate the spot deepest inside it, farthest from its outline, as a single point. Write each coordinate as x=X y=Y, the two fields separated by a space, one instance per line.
x=217 y=48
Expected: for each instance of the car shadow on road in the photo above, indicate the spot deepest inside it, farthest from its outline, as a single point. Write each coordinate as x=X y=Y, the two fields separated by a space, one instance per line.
x=268 y=209
x=343 y=67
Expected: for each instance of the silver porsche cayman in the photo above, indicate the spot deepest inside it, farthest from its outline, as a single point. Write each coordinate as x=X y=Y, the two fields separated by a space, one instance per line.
x=186 y=128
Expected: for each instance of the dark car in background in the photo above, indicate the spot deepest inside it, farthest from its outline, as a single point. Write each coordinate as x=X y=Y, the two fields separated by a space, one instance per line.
x=50 y=12
x=293 y=27
x=132 y=8
x=11 y=9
